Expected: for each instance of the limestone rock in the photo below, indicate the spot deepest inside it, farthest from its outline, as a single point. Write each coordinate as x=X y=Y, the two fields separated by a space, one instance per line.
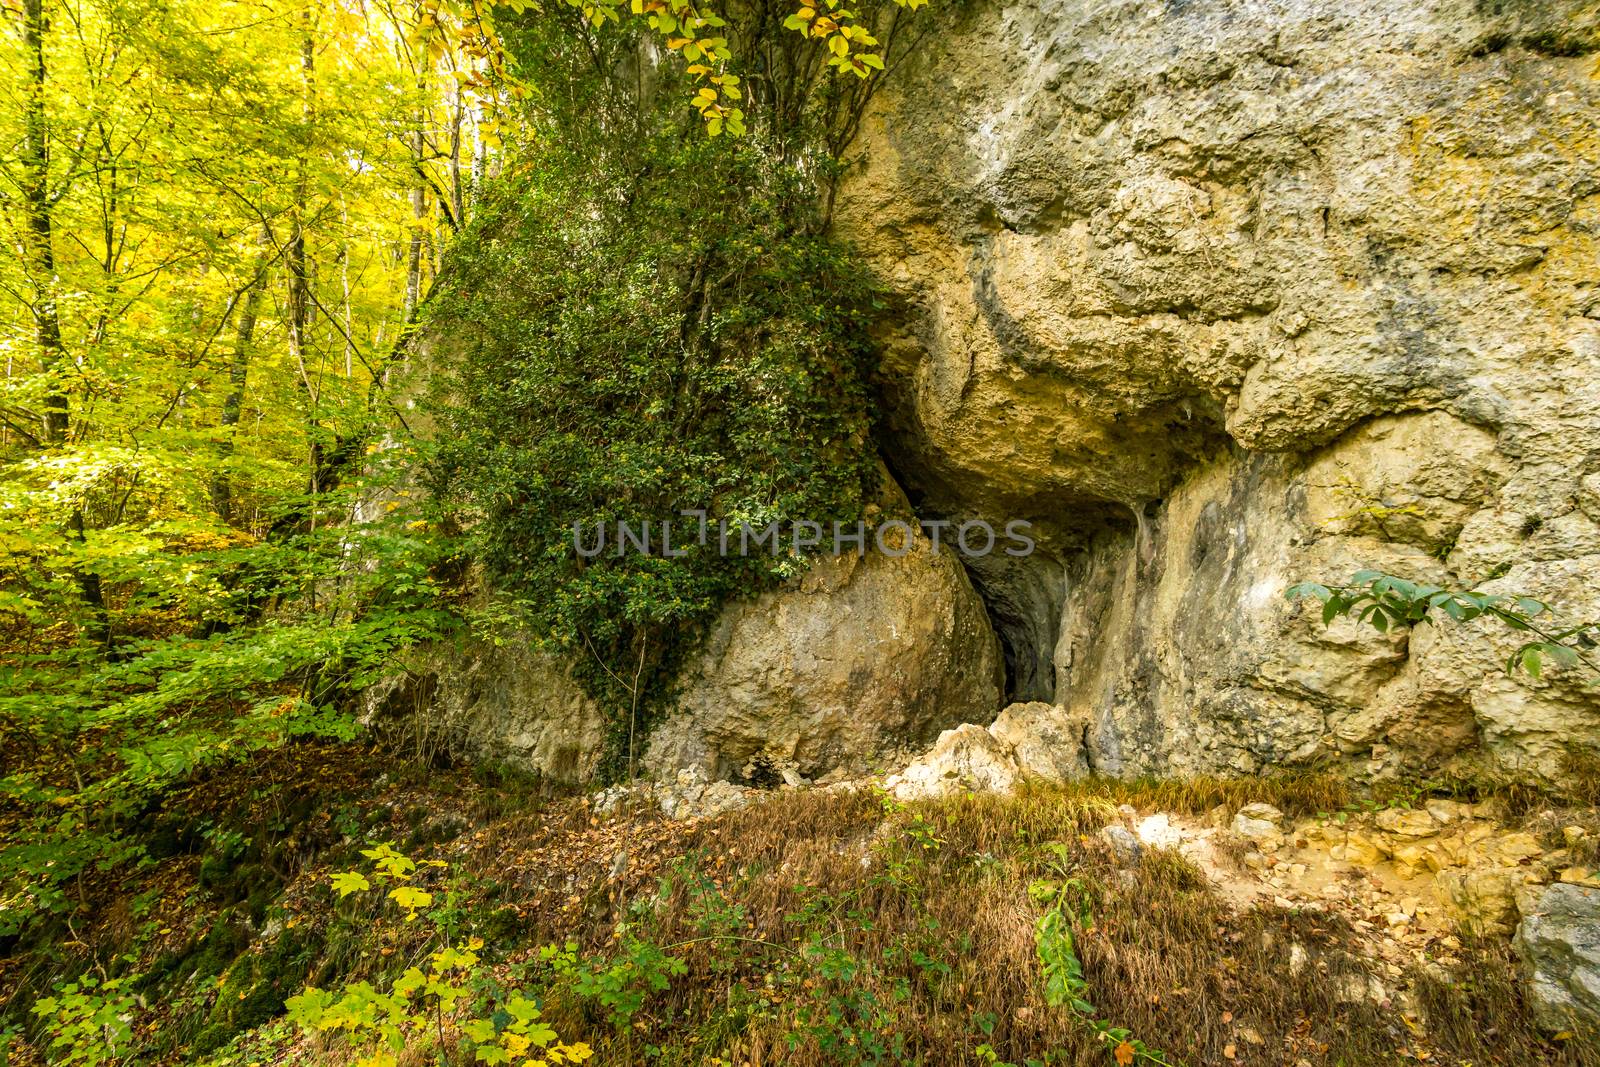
x=690 y=796
x=1516 y=848
x=1559 y=944
x=1026 y=741
x=1046 y=743
x=1391 y=479
x=1157 y=831
x=1362 y=850
x=1589 y=496
x=1407 y=822
x=1412 y=858
x=836 y=671
x=967 y=757
x=850 y=663
x=1124 y=844
x=1260 y=824
x=1227 y=296
x=1262 y=811
x=505 y=703
x=1483 y=900
x=685 y=795
x=1579 y=876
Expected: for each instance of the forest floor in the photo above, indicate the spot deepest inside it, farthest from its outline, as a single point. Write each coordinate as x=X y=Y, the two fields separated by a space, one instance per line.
x=814 y=927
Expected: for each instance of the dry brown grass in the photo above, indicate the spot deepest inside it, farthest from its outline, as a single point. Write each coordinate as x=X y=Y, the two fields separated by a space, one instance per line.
x=1575 y=786
x=1296 y=793
x=1163 y=955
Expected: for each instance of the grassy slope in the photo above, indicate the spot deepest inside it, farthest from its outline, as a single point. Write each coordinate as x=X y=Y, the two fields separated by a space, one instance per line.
x=816 y=928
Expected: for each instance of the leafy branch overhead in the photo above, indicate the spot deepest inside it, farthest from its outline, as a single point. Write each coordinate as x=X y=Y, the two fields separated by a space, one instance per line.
x=691 y=31
x=1386 y=602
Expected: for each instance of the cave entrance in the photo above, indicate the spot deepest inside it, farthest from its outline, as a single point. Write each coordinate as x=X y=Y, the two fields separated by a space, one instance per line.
x=1023 y=596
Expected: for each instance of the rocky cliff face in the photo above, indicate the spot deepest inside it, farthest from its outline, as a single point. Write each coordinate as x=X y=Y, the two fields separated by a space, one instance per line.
x=1223 y=295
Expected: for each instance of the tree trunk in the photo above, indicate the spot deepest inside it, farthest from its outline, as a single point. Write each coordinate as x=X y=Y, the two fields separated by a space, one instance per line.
x=419 y=212
x=238 y=373
x=419 y=192
x=37 y=207
x=295 y=261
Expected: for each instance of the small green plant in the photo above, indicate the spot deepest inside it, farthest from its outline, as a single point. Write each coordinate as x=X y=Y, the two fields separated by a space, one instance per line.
x=1386 y=602
x=916 y=828
x=1064 y=982
x=389 y=868
x=620 y=984
x=848 y=1021
x=917 y=841
x=88 y=1022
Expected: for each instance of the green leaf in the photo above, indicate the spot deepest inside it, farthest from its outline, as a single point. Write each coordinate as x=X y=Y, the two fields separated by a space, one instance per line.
x=1530 y=660
x=409 y=982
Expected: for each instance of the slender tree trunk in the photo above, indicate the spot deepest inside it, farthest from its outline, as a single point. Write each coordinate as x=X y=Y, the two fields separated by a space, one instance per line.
x=419 y=212
x=99 y=628
x=344 y=284
x=480 y=153
x=419 y=192
x=295 y=258
x=38 y=209
x=238 y=373
x=295 y=261
x=458 y=192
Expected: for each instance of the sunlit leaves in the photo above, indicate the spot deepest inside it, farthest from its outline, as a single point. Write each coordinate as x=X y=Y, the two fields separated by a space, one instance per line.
x=411 y=1015
x=187 y=151
x=846 y=41
x=687 y=30
x=411 y=899
x=347 y=882
x=390 y=863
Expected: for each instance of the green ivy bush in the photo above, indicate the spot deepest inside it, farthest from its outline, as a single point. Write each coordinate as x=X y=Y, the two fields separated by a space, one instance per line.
x=636 y=328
